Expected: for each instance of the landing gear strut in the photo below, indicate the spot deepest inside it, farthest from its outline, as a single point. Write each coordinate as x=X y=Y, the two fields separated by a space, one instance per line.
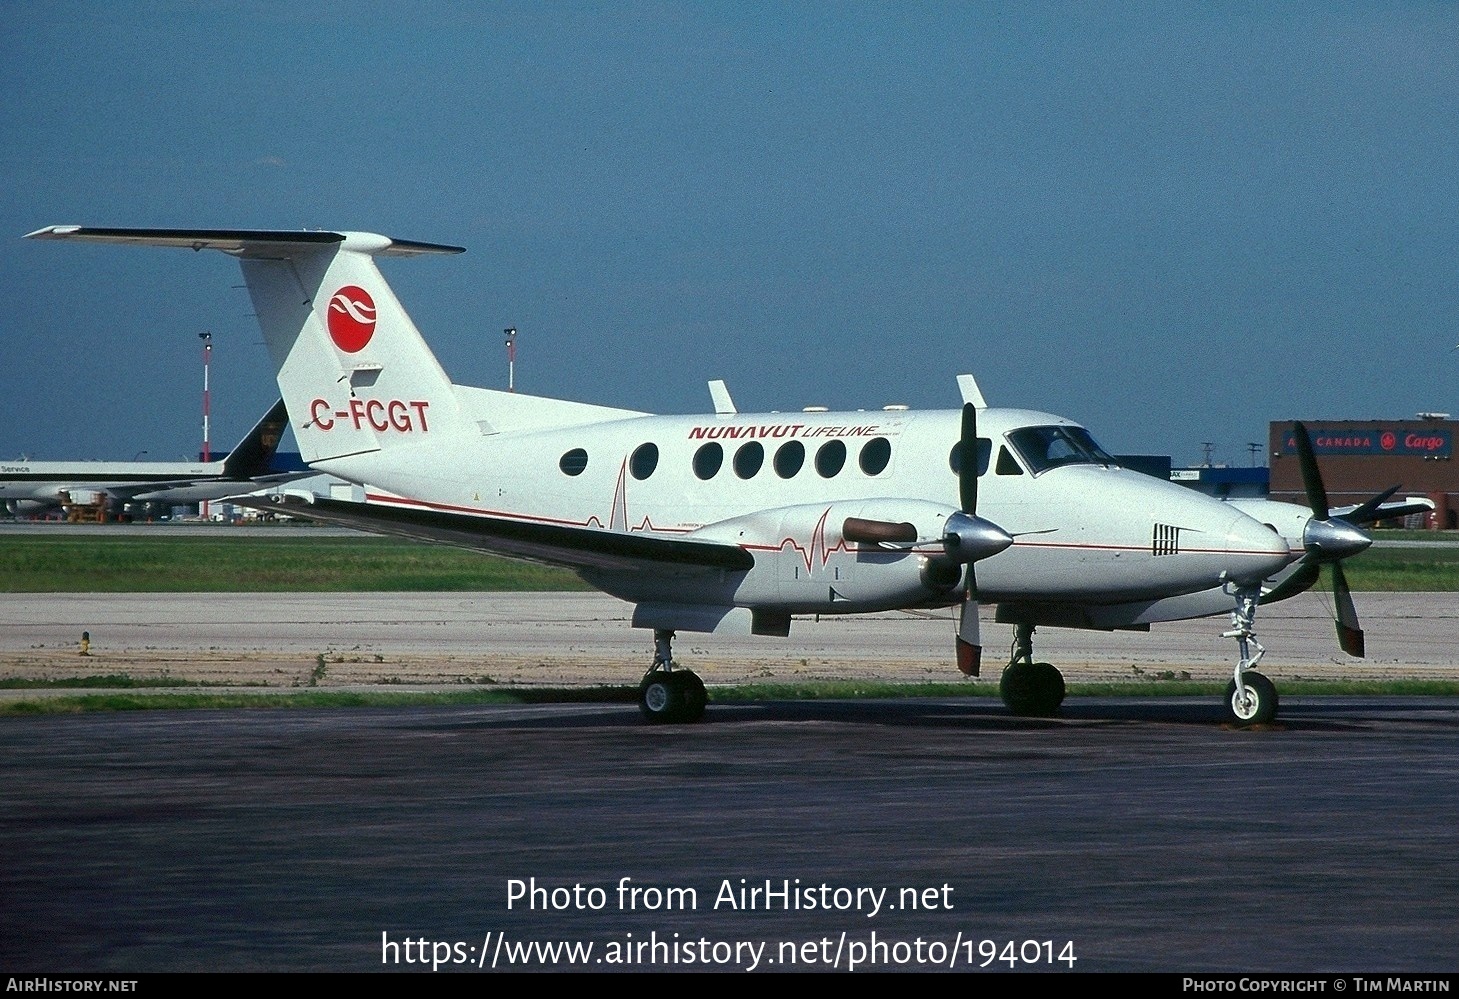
x=670 y=693
x=1030 y=689
x=1251 y=699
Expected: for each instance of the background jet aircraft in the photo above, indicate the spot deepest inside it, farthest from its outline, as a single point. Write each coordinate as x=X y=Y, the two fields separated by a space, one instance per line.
x=29 y=487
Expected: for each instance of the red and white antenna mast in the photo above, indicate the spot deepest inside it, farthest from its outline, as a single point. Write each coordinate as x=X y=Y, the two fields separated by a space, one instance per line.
x=511 y=334
x=207 y=339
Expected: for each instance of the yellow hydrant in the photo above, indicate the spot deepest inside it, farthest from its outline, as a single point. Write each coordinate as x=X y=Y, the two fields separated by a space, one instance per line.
x=86 y=643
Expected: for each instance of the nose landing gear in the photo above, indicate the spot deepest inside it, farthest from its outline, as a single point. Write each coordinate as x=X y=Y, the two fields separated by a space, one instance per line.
x=1251 y=698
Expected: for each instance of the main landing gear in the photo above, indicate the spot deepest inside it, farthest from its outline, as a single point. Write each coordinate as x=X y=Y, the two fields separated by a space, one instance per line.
x=1030 y=689
x=1251 y=699
x=670 y=693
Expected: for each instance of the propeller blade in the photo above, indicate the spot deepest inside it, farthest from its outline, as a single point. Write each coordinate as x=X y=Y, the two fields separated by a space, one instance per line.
x=1311 y=476
x=969 y=640
x=1368 y=512
x=970 y=538
x=1330 y=540
x=1349 y=635
x=967 y=479
x=1300 y=580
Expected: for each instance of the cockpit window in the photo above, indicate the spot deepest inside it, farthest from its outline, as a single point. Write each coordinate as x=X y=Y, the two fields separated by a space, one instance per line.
x=1043 y=448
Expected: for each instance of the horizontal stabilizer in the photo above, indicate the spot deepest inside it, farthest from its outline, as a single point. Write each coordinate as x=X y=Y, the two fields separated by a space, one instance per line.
x=246 y=242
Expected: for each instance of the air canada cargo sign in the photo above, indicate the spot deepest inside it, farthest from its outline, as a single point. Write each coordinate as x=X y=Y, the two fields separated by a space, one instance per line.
x=1408 y=442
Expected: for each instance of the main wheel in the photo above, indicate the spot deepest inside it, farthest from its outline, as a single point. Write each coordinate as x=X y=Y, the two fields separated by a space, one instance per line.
x=1051 y=682
x=661 y=696
x=1260 y=704
x=691 y=689
x=1032 y=690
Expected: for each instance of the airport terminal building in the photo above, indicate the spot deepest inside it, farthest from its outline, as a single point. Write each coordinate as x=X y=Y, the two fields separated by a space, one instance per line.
x=1361 y=458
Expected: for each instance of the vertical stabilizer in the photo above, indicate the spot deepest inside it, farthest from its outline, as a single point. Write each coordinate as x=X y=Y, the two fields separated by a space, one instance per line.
x=355 y=371
x=253 y=455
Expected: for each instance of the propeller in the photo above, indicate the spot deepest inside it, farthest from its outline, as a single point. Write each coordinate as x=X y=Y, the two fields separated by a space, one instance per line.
x=968 y=538
x=1328 y=540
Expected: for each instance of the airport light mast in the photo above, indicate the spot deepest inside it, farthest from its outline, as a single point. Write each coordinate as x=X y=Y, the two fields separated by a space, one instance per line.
x=511 y=334
x=207 y=339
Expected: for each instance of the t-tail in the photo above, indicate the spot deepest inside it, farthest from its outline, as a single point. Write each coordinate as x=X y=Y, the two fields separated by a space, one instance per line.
x=354 y=372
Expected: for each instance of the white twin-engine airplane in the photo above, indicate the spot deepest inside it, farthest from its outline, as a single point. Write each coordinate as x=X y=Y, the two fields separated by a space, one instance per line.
x=735 y=522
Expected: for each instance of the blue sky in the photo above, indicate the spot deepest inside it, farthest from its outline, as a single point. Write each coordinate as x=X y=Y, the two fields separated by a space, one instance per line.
x=1171 y=223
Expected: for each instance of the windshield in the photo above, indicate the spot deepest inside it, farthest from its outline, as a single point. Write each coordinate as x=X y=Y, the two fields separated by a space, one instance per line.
x=1043 y=448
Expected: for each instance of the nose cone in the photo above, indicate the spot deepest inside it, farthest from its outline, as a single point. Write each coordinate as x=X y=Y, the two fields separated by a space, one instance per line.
x=1254 y=551
x=1331 y=540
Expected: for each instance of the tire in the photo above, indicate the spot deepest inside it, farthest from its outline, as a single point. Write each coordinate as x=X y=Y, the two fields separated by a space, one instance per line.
x=661 y=697
x=1262 y=701
x=1051 y=682
x=1032 y=690
x=694 y=696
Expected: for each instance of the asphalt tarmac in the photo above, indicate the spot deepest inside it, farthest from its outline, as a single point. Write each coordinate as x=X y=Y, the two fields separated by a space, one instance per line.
x=920 y=835
x=1130 y=834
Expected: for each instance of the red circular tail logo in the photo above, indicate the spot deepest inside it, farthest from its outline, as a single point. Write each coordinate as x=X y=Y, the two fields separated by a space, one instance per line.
x=1389 y=440
x=351 y=318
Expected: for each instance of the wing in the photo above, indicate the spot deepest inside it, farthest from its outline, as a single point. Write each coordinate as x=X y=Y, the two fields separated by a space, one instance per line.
x=555 y=544
x=1384 y=511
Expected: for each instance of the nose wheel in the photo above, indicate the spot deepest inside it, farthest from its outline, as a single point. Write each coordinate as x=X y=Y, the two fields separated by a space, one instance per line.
x=1030 y=689
x=1256 y=703
x=668 y=692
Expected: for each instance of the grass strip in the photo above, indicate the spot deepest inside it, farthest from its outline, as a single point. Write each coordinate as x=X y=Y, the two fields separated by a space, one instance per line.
x=130 y=564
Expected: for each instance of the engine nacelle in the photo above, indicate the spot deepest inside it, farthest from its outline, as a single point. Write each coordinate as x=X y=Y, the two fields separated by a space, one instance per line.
x=805 y=562
x=84 y=497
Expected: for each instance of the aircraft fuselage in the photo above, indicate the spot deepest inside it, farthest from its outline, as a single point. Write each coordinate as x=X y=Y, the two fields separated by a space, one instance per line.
x=781 y=486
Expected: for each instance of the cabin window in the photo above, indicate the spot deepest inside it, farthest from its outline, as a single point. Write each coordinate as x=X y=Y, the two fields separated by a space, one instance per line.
x=573 y=462
x=789 y=459
x=708 y=459
x=748 y=459
x=644 y=460
x=985 y=453
x=875 y=454
x=830 y=458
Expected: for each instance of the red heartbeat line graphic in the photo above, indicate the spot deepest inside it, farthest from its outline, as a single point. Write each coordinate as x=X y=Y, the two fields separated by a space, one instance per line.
x=816 y=551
